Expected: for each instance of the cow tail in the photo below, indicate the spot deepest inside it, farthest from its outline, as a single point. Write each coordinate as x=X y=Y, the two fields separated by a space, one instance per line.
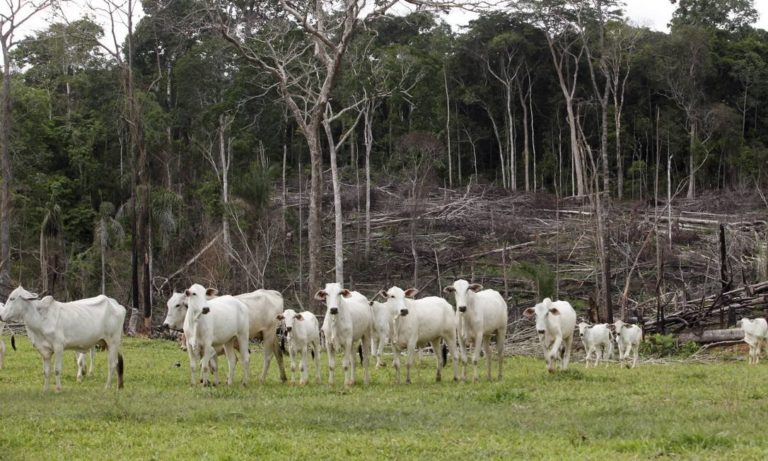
x=360 y=351
x=13 y=341
x=120 y=368
x=445 y=353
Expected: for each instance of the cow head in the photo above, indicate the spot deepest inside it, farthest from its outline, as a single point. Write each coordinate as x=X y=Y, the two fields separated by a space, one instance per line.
x=395 y=297
x=177 y=310
x=332 y=294
x=583 y=327
x=542 y=311
x=18 y=302
x=463 y=291
x=617 y=326
x=197 y=297
x=289 y=317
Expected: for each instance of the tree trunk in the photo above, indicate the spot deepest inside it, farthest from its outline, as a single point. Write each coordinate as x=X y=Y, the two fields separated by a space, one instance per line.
x=526 y=139
x=224 y=158
x=7 y=172
x=691 y=160
x=604 y=138
x=368 y=140
x=314 y=234
x=338 y=246
x=448 y=126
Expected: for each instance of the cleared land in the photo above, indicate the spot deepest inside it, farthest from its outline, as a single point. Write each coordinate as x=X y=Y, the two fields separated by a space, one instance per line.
x=677 y=410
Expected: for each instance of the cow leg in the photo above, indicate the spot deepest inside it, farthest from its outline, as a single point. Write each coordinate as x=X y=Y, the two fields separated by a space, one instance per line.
x=396 y=361
x=566 y=354
x=193 y=360
x=90 y=363
x=272 y=346
x=316 y=350
x=331 y=360
x=501 y=336
x=409 y=361
x=452 y=348
x=58 y=353
x=245 y=355
x=291 y=356
x=637 y=351
x=348 y=362
x=304 y=371
x=46 y=369
x=380 y=352
x=2 y=353
x=80 y=361
x=366 y=362
x=229 y=353
x=208 y=352
x=462 y=350
x=476 y=355
x=487 y=348
x=435 y=347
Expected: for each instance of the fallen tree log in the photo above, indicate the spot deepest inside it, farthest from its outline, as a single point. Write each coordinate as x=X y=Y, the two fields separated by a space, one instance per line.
x=713 y=336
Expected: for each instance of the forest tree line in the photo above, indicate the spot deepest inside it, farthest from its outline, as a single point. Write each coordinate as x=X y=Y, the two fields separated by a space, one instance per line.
x=123 y=159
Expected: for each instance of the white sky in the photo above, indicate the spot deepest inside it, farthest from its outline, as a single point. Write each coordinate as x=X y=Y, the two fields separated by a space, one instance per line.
x=652 y=13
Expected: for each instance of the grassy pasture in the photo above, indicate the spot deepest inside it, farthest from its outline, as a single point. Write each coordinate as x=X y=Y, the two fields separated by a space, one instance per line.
x=670 y=411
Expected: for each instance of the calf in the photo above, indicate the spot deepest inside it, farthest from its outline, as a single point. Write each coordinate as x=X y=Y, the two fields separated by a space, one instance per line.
x=483 y=313
x=756 y=335
x=597 y=339
x=302 y=331
x=421 y=322
x=628 y=338
x=555 y=321
x=348 y=321
x=53 y=327
x=383 y=328
x=214 y=322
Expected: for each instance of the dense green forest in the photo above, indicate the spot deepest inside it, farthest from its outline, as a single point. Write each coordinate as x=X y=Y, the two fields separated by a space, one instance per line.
x=226 y=133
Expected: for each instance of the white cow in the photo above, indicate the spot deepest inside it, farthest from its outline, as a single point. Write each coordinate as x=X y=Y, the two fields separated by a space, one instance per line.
x=176 y=319
x=421 y=322
x=597 y=339
x=628 y=338
x=214 y=322
x=555 y=321
x=756 y=335
x=482 y=313
x=383 y=328
x=348 y=320
x=79 y=325
x=263 y=308
x=302 y=331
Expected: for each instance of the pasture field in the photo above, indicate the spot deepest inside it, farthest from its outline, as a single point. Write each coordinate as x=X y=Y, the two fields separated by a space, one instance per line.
x=660 y=411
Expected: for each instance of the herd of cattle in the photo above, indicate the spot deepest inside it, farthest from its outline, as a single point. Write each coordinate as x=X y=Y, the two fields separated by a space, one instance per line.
x=214 y=325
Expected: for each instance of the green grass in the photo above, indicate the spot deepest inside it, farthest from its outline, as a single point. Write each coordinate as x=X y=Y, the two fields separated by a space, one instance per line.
x=673 y=411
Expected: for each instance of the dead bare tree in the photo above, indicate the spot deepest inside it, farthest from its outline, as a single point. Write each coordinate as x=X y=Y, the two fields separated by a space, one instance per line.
x=305 y=65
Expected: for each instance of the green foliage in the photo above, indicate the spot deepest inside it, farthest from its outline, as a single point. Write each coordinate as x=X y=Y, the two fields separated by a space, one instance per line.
x=659 y=345
x=540 y=274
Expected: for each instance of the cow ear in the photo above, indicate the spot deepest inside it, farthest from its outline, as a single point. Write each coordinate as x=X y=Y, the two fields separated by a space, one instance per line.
x=411 y=292
x=211 y=292
x=280 y=317
x=449 y=289
x=30 y=296
x=475 y=287
x=381 y=293
x=299 y=317
x=554 y=311
x=346 y=293
x=321 y=295
x=206 y=310
x=530 y=312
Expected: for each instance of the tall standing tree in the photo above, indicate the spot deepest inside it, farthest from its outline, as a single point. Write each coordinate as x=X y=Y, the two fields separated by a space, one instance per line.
x=13 y=15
